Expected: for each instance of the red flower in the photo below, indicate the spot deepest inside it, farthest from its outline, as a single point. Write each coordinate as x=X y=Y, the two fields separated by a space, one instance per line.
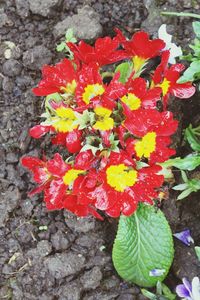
x=140 y=48
x=166 y=78
x=44 y=171
x=60 y=182
x=121 y=186
x=71 y=203
x=91 y=91
x=137 y=95
x=67 y=192
x=60 y=78
x=38 y=131
x=153 y=133
x=103 y=53
x=71 y=140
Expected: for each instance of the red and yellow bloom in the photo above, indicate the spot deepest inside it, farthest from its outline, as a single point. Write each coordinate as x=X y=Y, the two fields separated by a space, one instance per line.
x=116 y=117
x=121 y=186
x=103 y=53
x=140 y=48
x=153 y=140
x=60 y=78
x=139 y=96
x=91 y=91
x=166 y=78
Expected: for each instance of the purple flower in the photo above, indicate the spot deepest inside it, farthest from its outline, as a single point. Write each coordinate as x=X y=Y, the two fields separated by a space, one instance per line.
x=189 y=291
x=156 y=272
x=184 y=236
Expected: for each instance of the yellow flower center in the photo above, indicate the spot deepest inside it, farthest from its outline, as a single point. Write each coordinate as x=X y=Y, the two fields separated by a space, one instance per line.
x=131 y=101
x=71 y=175
x=70 y=88
x=165 y=85
x=104 y=122
x=120 y=177
x=146 y=146
x=91 y=91
x=138 y=62
x=64 y=119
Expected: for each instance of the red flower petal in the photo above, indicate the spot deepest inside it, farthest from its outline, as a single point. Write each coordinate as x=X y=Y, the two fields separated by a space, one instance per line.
x=73 y=141
x=54 y=195
x=32 y=163
x=59 y=139
x=184 y=90
x=85 y=160
x=57 y=166
x=55 y=77
x=38 y=131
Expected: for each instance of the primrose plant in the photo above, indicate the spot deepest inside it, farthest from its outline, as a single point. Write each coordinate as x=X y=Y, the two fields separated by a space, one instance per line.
x=188 y=163
x=107 y=110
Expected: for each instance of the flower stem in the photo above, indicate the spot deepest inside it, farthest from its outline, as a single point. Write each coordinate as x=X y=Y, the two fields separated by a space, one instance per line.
x=181 y=14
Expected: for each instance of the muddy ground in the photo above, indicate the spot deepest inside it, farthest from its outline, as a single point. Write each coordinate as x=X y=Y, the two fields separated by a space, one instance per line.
x=53 y=255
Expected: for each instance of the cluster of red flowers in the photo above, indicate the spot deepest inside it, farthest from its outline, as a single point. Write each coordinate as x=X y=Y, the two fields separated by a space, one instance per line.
x=113 y=123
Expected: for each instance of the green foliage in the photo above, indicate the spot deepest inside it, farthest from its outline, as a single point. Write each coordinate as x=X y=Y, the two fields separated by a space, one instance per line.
x=55 y=97
x=187 y=163
x=143 y=243
x=69 y=37
x=189 y=186
x=162 y=293
x=193 y=72
x=196 y=28
x=125 y=70
x=191 y=135
x=197 y=250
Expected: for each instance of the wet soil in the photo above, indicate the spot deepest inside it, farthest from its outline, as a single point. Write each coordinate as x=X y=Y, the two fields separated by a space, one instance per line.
x=54 y=255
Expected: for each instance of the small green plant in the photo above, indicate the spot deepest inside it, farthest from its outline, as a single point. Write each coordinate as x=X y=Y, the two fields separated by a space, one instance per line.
x=189 y=186
x=193 y=72
x=197 y=250
x=69 y=37
x=188 y=163
x=162 y=293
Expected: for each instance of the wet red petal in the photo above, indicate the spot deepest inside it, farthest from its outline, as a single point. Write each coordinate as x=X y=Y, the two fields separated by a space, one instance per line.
x=38 y=131
x=57 y=166
x=183 y=91
x=73 y=141
x=31 y=162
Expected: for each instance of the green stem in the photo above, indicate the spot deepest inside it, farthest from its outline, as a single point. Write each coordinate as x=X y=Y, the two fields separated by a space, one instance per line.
x=107 y=74
x=181 y=14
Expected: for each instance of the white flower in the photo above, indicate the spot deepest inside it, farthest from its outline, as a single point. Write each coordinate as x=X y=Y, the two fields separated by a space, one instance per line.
x=195 y=288
x=175 y=51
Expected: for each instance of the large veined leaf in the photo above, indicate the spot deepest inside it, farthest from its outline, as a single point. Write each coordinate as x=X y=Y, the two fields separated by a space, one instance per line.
x=143 y=247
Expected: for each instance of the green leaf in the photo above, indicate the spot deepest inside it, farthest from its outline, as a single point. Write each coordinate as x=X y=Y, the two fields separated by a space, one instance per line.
x=148 y=294
x=196 y=28
x=55 y=96
x=192 y=139
x=191 y=72
x=60 y=47
x=197 y=250
x=184 y=176
x=166 y=291
x=69 y=36
x=180 y=187
x=125 y=70
x=143 y=243
x=189 y=162
x=184 y=194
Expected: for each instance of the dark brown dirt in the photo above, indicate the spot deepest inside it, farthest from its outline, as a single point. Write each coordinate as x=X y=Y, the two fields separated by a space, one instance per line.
x=37 y=247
